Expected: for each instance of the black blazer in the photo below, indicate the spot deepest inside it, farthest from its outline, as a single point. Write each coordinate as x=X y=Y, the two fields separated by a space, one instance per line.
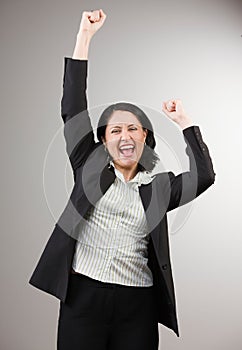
x=92 y=178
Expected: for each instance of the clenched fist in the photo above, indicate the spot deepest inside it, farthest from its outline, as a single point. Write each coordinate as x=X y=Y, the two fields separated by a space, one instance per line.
x=92 y=21
x=175 y=111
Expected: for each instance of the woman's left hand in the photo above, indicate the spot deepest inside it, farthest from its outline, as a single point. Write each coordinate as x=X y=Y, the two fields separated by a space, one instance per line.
x=175 y=111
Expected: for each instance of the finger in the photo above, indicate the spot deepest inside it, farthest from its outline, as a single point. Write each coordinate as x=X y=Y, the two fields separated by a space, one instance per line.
x=101 y=12
x=178 y=102
x=86 y=13
x=102 y=16
x=91 y=15
x=164 y=108
x=94 y=16
x=168 y=102
x=179 y=106
x=170 y=105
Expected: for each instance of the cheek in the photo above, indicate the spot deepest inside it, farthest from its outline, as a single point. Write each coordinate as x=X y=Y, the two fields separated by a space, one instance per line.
x=112 y=144
x=140 y=139
x=109 y=138
x=141 y=136
x=141 y=148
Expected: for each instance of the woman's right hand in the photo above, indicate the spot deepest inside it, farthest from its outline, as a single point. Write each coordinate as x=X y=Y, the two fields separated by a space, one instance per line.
x=91 y=22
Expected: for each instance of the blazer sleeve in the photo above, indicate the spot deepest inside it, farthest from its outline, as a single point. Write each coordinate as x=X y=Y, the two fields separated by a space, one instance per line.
x=78 y=130
x=186 y=186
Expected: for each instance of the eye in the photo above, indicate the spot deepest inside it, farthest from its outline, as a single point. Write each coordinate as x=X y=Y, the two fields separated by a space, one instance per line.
x=133 y=128
x=114 y=131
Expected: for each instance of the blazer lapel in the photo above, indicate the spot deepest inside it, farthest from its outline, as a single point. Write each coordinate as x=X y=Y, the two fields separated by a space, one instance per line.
x=153 y=209
x=107 y=178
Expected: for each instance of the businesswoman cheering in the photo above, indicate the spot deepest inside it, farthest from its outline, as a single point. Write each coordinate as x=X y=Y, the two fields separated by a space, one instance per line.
x=107 y=259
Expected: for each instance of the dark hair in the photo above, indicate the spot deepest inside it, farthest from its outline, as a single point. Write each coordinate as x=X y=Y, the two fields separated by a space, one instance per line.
x=149 y=157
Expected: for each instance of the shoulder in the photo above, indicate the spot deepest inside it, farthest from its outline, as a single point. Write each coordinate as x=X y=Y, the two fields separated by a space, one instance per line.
x=162 y=176
x=162 y=179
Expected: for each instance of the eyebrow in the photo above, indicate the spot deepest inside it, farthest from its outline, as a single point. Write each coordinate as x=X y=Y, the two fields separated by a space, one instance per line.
x=117 y=126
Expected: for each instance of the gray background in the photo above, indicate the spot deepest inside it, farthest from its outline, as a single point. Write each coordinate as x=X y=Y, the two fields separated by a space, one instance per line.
x=147 y=52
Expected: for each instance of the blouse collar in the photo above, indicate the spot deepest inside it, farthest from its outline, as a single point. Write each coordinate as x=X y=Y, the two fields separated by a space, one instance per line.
x=142 y=177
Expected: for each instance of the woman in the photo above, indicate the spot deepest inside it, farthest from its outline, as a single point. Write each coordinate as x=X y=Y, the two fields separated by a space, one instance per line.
x=107 y=259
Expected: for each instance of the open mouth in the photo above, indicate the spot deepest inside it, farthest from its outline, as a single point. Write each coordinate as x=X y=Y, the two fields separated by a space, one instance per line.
x=127 y=151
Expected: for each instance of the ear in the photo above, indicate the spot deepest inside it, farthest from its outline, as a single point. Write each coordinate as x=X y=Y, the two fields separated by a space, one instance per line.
x=145 y=132
x=103 y=139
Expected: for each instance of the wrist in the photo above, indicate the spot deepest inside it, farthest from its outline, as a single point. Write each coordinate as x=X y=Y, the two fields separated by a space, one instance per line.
x=184 y=126
x=185 y=122
x=84 y=35
x=82 y=46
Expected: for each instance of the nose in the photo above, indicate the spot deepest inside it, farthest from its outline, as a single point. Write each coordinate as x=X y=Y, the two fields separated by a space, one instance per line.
x=125 y=135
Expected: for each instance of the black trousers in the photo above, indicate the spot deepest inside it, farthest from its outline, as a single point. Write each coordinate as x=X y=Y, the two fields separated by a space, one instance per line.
x=107 y=316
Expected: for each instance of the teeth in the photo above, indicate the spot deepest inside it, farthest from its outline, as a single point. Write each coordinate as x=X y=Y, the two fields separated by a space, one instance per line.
x=126 y=147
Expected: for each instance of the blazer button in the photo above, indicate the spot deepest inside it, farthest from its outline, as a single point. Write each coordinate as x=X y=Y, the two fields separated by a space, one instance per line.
x=164 y=267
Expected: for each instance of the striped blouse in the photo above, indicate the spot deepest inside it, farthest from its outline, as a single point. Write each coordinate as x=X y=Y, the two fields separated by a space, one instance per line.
x=112 y=240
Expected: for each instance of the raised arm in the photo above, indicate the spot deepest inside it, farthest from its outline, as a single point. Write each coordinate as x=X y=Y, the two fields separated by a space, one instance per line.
x=91 y=22
x=78 y=131
x=184 y=187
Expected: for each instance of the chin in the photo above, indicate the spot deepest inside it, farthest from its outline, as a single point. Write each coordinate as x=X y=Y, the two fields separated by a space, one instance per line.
x=127 y=162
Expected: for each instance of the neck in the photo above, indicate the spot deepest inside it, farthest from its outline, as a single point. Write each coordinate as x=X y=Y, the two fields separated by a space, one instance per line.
x=128 y=173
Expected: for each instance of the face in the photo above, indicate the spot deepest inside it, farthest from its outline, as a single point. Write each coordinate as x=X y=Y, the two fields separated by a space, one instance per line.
x=124 y=139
